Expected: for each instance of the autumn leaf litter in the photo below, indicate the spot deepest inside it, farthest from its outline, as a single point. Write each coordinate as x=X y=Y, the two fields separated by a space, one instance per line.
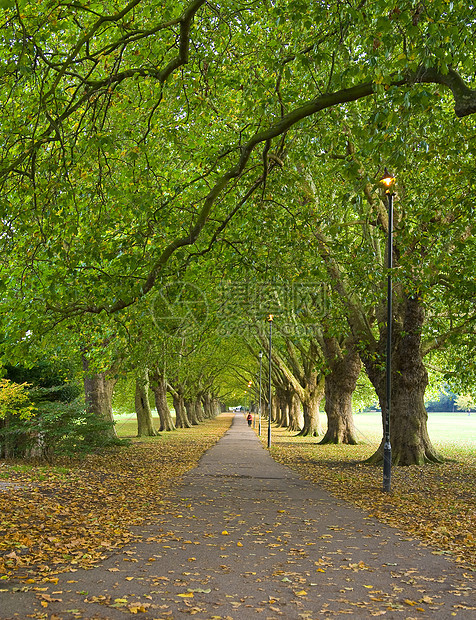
x=60 y=518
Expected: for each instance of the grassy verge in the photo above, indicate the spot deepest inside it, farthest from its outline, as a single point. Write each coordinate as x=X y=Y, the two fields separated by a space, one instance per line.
x=54 y=519
x=436 y=503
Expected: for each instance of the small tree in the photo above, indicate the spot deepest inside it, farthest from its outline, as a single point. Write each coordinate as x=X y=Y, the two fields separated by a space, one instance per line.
x=15 y=406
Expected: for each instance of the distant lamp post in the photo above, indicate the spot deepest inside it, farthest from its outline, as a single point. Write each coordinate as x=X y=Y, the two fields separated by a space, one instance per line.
x=388 y=181
x=259 y=406
x=270 y=321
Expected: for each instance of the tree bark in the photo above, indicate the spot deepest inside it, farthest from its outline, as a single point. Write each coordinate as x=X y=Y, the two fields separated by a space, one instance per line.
x=409 y=437
x=145 y=424
x=216 y=407
x=181 y=418
x=282 y=416
x=207 y=405
x=199 y=414
x=98 y=391
x=340 y=382
x=159 y=387
x=311 y=400
x=296 y=418
x=191 y=411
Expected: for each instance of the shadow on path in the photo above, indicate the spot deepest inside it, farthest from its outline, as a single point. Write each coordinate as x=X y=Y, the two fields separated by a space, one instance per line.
x=250 y=539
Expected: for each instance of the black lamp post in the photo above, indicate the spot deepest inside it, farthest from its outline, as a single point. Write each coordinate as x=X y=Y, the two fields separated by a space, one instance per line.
x=270 y=321
x=388 y=180
x=259 y=406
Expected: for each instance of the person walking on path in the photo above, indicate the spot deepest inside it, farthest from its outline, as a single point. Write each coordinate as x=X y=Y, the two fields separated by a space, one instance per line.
x=249 y=418
x=247 y=538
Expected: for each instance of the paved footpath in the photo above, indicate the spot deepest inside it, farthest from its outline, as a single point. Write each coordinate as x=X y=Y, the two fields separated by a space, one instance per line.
x=250 y=539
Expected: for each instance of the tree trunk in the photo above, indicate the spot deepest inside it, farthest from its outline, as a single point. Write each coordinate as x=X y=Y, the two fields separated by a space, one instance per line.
x=98 y=390
x=207 y=405
x=199 y=414
x=296 y=419
x=159 y=387
x=409 y=437
x=339 y=386
x=191 y=411
x=312 y=420
x=274 y=407
x=145 y=424
x=216 y=407
x=282 y=418
x=181 y=418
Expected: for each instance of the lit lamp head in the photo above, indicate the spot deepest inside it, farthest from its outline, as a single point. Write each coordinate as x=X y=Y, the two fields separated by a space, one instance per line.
x=388 y=180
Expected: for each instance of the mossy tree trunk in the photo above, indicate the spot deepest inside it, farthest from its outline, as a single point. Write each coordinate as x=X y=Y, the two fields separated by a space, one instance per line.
x=98 y=391
x=159 y=387
x=311 y=400
x=145 y=423
x=344 y=365
x=181 y=417
x=411 y=444
x=296 y=418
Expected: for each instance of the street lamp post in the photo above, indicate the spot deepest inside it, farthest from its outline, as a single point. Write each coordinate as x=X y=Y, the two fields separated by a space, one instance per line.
x=388 y=180
x=259 y=406
x=270 y=321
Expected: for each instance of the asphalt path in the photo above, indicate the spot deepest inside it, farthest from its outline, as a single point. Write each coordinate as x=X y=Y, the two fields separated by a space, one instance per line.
x=249 y=539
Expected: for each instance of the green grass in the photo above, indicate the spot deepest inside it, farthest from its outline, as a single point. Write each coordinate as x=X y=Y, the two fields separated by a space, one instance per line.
x=38 y=472
x=127 y=426
x=453 y=428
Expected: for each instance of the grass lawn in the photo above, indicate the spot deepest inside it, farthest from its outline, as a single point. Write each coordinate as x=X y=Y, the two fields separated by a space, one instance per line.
x=126 y=426
x=453 y=428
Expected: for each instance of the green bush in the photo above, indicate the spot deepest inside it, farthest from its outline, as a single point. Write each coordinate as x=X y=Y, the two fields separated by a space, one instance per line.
x=57 y=428
x=46 y=417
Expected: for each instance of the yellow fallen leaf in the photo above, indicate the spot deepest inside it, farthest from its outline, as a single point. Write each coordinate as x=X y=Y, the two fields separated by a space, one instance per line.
x=301 y=593
x=129 y=578
x=135 y=608
x=186 y=594
x=239 y=544
x=225 y=533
